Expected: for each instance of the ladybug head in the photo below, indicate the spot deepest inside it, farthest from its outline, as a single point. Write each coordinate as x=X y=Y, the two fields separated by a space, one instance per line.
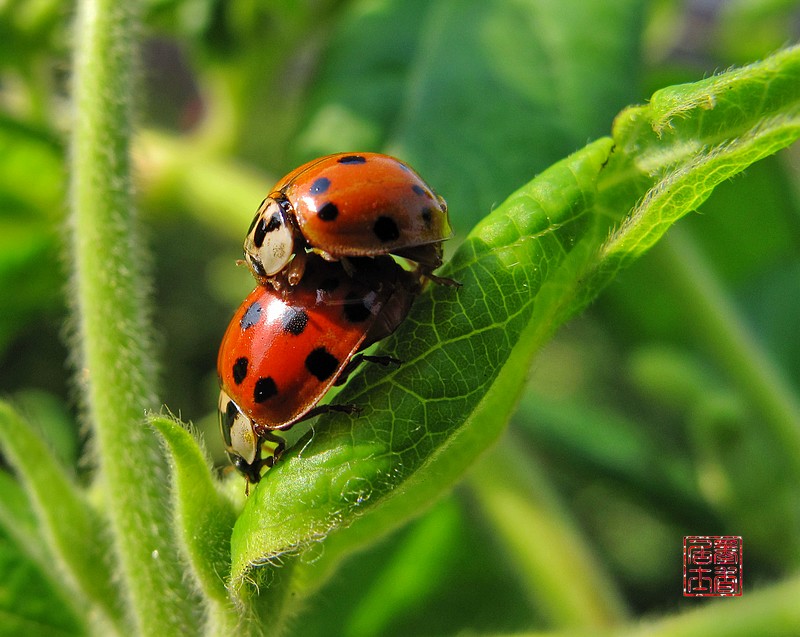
x=269 y=244
x=241 y=441
x=251 y=472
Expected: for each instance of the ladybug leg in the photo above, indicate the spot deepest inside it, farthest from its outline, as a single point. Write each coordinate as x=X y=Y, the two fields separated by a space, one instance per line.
x=358 y=359
x=442 y=280
x=385 y=361
x=296 y=268
x=277 y=446
x=427 y=258
x=270 y=449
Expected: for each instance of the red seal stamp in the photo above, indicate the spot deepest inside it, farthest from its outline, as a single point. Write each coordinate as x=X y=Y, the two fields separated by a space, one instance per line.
x=712 y=566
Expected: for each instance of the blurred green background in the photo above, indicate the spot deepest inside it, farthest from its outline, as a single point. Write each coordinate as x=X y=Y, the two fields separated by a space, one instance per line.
x=637 y=423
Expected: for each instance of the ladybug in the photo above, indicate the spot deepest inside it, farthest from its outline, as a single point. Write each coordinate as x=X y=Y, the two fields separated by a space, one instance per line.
x=346 y=205
x=282 y=352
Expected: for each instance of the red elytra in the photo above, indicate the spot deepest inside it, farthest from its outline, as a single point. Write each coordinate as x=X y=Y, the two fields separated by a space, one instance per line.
x=345 y=205
x=282 y=352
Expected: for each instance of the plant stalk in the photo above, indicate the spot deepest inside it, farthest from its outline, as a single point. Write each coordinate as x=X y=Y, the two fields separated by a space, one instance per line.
x=113 y=333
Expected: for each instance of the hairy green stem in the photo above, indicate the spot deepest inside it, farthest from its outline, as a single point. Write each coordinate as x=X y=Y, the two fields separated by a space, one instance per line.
x=117 y=368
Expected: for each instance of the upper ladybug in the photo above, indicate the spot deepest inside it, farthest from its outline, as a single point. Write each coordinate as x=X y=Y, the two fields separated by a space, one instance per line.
x=346 y=205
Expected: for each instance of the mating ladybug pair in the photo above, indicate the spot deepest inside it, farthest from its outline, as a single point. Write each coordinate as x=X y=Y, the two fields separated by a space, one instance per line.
x=319 y=247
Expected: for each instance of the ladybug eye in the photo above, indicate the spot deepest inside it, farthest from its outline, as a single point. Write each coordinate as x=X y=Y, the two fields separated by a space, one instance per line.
x=269 y=244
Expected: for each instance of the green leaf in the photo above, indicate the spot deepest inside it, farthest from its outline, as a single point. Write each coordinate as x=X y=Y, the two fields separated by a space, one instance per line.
x=204 y=520
x=202 y=514
x=78 y=548
x=672 y=153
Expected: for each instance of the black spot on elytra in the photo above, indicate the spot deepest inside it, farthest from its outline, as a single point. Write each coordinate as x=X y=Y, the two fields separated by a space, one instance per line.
x=320 y=185
x=386 y=229
x=294 y=321
x=356 y=308
x=427 y=216
x=328 y=212
x=240 y=370
x=251 y=316
x=352 y=159
x=265 y=389
x=321 y=363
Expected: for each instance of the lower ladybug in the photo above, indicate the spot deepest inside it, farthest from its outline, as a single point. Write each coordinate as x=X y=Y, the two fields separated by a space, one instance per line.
x=282 y=352
x=347 y=205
